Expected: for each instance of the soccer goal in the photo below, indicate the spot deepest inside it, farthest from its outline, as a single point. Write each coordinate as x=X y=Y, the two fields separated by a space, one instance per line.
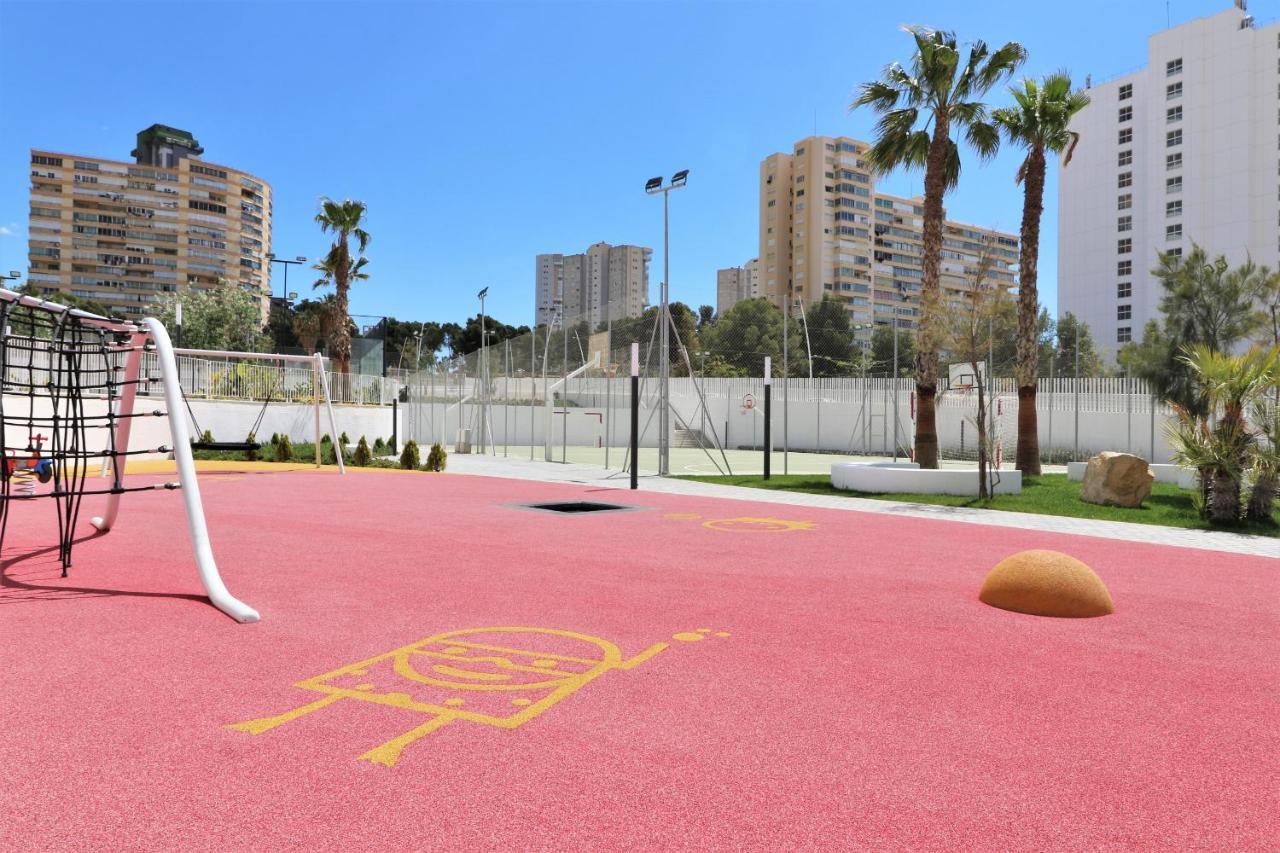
x=68 y=386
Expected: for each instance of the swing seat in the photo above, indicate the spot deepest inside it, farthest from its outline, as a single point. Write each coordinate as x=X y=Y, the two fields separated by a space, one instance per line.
x=235 y=446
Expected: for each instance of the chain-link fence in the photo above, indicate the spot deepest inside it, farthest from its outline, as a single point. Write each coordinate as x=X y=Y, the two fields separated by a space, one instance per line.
x=562 y=394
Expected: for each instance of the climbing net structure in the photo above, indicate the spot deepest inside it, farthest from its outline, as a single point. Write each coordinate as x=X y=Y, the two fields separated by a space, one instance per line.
x=68 y=393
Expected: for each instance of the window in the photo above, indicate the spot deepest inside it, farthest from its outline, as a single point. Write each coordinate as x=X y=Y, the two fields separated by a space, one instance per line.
x=1124 y=267
x=1124 y=202
x=1173 y=91
x=1124 y=223
x=1124 y=334
x=1124 y=312
x=40 y=160
x=1173 y=161
x=1126 y=136
x=1173 y=208
x=1172 y=138
x=1124 y=290
x=1125 y=158
x=1172 y=67
x=1125 y=180
x=1174 y=253
x=1126 y=113
x=1173 y=232
x=1126 y=91
x=1173 y=114
x=1124 y=246
x=1173 y=185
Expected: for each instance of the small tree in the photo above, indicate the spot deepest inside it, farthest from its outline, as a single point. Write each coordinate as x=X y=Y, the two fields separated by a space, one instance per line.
x=362 y=458
x=436 y=459
x=252 y=453
x=410 y=457
x=284 y=449
x=206 y=437
x=379 y=445
x=965 y=330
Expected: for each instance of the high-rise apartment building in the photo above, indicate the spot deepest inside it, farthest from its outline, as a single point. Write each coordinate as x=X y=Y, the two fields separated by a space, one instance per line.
x=602 y=284
x=735 y=284
x=126 y=234
x=1184 y=150
x=824 y=230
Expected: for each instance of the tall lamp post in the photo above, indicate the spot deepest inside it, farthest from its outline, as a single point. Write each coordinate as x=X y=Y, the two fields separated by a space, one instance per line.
x=287 y=263
x=484 y=373
x=13 y=275
x=654 y=186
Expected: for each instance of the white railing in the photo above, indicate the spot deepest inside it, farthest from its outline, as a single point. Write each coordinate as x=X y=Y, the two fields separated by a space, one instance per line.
x=230 y=379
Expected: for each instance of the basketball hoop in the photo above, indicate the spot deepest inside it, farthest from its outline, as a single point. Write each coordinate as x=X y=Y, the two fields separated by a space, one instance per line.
x=748 y=403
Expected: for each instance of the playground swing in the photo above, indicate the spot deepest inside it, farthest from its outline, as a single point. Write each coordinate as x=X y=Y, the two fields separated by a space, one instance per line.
x=249 y=444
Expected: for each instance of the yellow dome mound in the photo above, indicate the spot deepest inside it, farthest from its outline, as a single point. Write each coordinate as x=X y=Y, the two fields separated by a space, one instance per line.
x=1046 y=583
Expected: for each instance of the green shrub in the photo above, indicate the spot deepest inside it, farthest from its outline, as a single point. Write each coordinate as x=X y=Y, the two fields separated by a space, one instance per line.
x=206 y=437
x=343 y=440
x=324 y=439
x=251 y=454
x=284 y=449
x=410 y=458
x=379 y=446
x=362 y=457
x=436 y=459
x=275 y=439
x=391 y=445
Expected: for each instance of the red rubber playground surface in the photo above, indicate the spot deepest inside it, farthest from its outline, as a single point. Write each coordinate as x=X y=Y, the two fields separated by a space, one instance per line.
x=477 y=676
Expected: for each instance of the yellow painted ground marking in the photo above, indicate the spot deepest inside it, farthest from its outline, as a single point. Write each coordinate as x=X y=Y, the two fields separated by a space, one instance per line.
x=681 y=516
x=723 y=634
x=750 y=524
x=471 y=670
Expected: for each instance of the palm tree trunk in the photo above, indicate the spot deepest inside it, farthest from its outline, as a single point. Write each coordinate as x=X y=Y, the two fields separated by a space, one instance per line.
x=926 y=362
x=1028 y=454
x=1262 y=498
x=1224 y=498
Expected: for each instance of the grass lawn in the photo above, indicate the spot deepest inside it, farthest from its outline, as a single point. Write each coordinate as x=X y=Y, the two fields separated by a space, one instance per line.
x=1051 y=494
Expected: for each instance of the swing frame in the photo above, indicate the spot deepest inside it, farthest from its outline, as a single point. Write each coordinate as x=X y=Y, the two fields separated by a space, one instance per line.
x=320 y=386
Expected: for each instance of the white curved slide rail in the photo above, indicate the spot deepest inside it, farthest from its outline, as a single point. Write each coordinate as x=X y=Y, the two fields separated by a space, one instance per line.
x=199 y=531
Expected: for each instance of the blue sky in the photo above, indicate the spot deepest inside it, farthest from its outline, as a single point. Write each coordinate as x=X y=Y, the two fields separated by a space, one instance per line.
x=482 y=133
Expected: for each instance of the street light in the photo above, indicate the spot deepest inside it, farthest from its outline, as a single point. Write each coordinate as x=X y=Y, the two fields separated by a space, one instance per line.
x=484 y=372
x=287 y=263
x=13 y=275
x=653 y=186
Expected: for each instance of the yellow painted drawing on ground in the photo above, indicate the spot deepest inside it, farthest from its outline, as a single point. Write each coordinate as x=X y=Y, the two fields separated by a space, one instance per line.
x=500 y=677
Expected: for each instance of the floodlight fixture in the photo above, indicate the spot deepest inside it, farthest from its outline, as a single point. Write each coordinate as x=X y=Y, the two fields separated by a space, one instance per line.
x=653 y=184
x=482 y=294
x=679 y=178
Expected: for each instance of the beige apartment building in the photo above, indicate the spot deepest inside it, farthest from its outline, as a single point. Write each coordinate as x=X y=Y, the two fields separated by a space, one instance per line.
x=602 y=284
x=735 y=284
x=127 y=234
x=824 y=230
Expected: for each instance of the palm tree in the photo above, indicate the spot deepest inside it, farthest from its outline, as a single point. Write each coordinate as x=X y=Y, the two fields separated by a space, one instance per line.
x=344 y=219
x=941 y=91
x=1038 y=122
x=1223 y=450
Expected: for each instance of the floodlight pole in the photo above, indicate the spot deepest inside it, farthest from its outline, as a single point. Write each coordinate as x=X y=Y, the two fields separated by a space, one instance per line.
x=287 y=263
x=768 y=411
x=653 y=187
x=484 y=374
x=635 y=414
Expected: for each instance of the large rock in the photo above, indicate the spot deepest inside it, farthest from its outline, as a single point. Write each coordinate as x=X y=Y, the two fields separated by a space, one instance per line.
x=1117 y=479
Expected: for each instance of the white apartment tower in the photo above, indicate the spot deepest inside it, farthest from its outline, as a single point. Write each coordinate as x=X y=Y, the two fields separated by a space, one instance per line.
x=735 y=284
x=1184 y=150
x=602 y=284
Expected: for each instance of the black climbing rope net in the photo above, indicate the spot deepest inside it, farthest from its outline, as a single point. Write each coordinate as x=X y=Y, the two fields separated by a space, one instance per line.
x=62 y=376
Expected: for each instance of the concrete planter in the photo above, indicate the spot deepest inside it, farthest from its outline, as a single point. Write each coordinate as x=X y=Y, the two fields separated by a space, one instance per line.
x=859 y=477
